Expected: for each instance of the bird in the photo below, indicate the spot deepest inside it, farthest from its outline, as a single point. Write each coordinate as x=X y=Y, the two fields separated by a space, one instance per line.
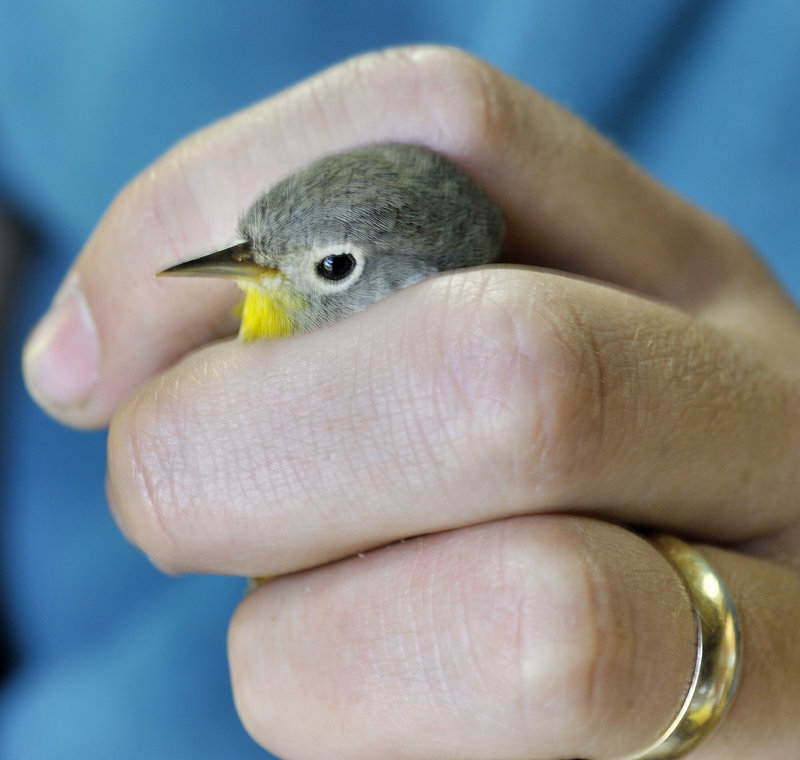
x=347 y=230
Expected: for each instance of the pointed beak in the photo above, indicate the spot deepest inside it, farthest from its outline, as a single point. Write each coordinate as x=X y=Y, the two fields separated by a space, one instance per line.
x=235 y=262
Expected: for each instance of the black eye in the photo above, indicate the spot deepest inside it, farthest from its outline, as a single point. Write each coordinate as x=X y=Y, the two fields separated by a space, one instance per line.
x=336 y=266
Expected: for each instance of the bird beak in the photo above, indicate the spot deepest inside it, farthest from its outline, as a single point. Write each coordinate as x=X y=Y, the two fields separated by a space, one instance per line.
x=235 y=262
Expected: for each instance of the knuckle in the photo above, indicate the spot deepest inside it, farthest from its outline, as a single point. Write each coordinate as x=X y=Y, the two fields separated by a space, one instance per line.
x=460 y=98
x=602 y=650
x=579 y=391
x=571 y=616
x=491 y=374
x=530 y=382
x=585 y=383
x=546 y=629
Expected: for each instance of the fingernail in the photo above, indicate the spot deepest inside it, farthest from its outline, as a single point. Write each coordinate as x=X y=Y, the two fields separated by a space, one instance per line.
x=61 y=357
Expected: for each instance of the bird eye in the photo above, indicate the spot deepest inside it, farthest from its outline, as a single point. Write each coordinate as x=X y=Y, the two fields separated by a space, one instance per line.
x=336 y=266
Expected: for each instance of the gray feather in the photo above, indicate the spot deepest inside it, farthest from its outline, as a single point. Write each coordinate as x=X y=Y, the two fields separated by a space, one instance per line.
x=410 y=210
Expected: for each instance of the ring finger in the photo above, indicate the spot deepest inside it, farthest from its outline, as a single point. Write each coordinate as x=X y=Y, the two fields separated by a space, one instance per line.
x=535 y=637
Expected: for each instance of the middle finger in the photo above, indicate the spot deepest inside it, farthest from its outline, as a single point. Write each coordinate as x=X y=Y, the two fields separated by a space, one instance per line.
x=519 y=391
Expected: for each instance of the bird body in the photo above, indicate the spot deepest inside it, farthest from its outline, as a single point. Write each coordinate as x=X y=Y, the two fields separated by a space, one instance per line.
x=346 y=231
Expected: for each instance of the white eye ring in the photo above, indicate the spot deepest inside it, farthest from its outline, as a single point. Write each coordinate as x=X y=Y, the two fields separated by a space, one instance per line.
x=336 y=267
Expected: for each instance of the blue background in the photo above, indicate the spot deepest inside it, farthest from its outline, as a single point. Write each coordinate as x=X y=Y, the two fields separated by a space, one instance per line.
x=110 y=659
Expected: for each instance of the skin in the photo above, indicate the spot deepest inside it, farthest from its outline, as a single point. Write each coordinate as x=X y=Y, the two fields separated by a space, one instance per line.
x=524 y=421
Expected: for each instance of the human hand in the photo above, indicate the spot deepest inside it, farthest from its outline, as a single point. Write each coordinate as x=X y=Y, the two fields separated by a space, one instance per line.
x=515 y=413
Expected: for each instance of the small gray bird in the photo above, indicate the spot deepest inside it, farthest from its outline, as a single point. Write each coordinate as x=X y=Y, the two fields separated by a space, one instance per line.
x=346 y=231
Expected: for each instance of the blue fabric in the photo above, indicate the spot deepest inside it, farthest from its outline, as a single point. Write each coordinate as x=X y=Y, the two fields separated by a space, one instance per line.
x=115 y=660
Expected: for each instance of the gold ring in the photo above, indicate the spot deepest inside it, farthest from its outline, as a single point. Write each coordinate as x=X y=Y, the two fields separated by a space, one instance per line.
x=719 y=654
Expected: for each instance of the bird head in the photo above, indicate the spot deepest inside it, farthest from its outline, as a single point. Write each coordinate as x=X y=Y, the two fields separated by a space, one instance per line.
x=348 y=230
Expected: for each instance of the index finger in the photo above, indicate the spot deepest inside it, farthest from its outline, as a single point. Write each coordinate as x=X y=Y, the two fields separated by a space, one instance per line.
x=571 y=200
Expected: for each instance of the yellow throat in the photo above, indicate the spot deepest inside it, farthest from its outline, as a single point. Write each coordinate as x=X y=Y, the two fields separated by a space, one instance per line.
x=268 y=312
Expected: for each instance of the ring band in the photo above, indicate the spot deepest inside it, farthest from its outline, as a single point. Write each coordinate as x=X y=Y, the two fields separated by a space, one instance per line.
x=719 y=654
